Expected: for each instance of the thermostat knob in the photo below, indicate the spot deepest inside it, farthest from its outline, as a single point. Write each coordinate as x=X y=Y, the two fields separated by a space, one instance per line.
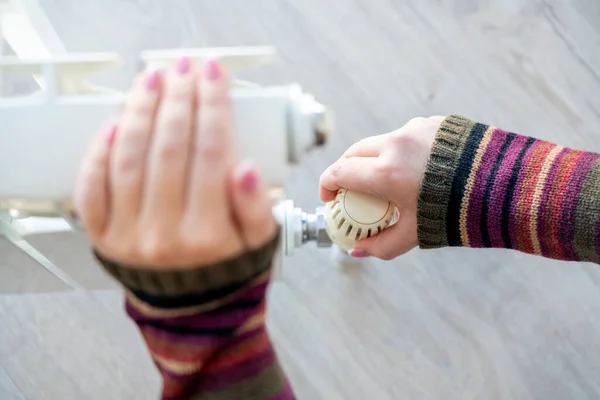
x=353 y=215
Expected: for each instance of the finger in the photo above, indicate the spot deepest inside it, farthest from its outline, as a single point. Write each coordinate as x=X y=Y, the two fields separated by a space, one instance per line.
x=92 y=188
x=354 y=173
x=213 y=146
x=128 y=162
x=394 y=241
x=368 y=147
x=165 y=186
x=252 y=207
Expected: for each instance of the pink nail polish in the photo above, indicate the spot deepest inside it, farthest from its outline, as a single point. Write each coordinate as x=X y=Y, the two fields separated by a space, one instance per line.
x=250 y=180
x=184 y=65
x=358 y=253
x=153 y=80
x=110 y=134
x=212 y=70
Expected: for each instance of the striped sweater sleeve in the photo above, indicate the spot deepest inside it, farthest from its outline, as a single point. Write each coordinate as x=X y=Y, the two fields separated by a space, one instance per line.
x=484 y=187
x=205 y=328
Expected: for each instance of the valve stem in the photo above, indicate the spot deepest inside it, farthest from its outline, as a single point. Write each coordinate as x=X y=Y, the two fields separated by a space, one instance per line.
x=313 y=228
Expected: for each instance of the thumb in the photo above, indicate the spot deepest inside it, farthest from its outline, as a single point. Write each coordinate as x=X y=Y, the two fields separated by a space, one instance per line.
x=394 y=241
x=252 y=206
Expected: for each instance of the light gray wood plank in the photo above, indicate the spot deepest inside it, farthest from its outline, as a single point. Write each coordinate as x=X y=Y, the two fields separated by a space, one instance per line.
x=20 y=273
x=80 y=264
x=71 y=345
x=8 y=390
x=453 y=324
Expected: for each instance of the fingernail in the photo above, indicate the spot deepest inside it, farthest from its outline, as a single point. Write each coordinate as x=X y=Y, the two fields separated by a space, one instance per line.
x=153 y=80
x=110 y=134
x=358 y=253
x=249 y=180
x=212 y=70
x=183 y=66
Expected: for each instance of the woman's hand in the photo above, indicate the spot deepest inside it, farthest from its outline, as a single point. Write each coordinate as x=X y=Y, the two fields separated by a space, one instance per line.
x=160 y=189
x=390 y=166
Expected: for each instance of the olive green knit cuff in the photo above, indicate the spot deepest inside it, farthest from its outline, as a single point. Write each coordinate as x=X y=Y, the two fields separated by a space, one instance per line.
x=436 y=185
x=234 y=271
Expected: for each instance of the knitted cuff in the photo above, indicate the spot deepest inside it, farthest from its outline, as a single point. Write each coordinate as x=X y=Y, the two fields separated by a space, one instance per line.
x=204 y=279
x=436 y=185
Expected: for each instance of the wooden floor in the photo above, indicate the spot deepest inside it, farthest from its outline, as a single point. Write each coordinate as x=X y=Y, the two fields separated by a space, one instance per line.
x=447 y=324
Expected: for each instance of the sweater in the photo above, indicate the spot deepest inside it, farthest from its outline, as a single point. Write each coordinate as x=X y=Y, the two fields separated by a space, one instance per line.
x=482 y=187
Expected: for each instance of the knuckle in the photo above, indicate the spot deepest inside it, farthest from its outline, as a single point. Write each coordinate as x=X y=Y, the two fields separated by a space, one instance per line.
x=96 y=162
x=171 y=149
x=331 y=176
x=132 y=148
x=416 y=121
x=332 y=172
x=409 y=128
x=87 y=189
x=339 y=173
x=177 y=121
x=404 y=138
x=88 y=172
x=135 y=131
x=399 y=137
x=127 y=162
x=97 y=153
x=210 y=149
x=335 y=171
x=139 y=106
x=92 y=176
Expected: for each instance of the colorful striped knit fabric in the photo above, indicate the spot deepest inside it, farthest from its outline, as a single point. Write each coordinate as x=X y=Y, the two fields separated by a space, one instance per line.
x=484 y=187
x=211 y=342
x=218 y=350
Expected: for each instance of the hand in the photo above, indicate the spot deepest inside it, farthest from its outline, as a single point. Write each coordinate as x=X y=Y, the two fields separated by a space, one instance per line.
x=160 y=189
x=390 y=166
